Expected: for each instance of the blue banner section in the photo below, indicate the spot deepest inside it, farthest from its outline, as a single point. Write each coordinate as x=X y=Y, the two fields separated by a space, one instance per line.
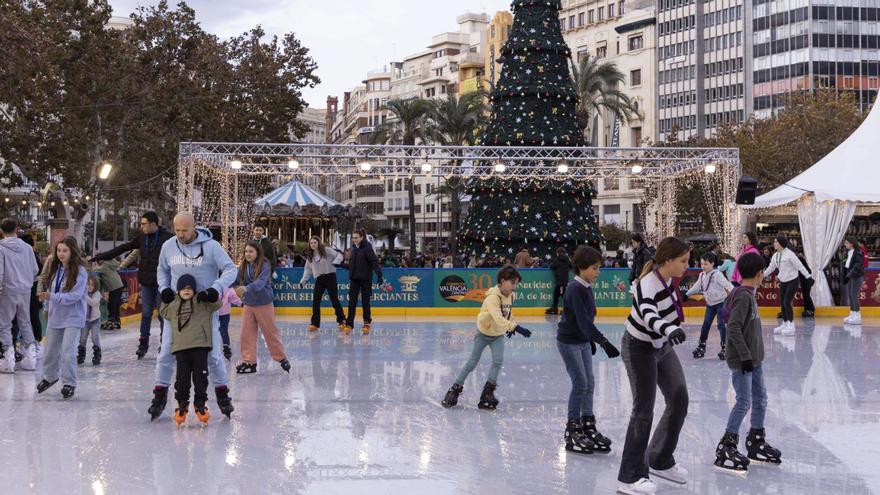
x=402 y=287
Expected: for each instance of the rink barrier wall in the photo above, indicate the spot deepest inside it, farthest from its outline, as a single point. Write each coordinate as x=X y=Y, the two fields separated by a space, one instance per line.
x=425 y=292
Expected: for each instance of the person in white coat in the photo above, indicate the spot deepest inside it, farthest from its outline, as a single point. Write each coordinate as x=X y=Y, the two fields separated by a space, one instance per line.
x=787 y=263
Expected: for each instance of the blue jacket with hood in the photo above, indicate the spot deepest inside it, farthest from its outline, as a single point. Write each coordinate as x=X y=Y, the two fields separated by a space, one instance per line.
x=203 y=258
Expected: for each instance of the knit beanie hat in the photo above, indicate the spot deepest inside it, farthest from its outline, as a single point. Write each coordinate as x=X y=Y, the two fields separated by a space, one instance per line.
x=186 y=280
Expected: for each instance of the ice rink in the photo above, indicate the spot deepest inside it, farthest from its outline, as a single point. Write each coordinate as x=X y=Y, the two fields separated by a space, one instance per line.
x=361 y=415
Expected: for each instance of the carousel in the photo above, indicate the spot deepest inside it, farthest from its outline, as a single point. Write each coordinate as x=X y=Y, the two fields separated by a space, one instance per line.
x=294 y=213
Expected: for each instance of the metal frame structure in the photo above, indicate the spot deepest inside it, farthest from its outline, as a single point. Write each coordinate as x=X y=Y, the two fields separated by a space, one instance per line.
x=659 y=165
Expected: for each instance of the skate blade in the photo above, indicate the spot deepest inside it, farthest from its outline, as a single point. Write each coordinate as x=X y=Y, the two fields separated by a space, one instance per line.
x=669 y=480
x=579 y=451
x=734 y=472
x=765 y=463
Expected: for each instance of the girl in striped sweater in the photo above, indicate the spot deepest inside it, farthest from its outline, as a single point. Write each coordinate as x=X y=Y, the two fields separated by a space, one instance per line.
x=653 y=327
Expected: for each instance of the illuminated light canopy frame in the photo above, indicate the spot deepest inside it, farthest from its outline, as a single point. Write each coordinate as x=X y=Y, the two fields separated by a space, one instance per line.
x=219 y=182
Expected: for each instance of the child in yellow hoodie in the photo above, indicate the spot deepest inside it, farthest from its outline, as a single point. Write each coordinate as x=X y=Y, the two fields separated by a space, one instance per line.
x=493 y=323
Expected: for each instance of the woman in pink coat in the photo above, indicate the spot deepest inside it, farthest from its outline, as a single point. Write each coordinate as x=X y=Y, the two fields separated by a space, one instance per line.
x=750 y=245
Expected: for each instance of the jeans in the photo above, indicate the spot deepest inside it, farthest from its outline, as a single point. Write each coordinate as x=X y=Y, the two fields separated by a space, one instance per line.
x=365 y=289
x=328 y=282
x=558 y=291
x=224 y=329
x=481 y=341
x=787 y=291
x=578 y=359
x=93 y=327
x=750 y=393
x=15 y=307
x=649 y=368
x=711 y=313
x=216 y=362
x=114 y=300
x=853 y=293
x=60 y=352
x=149 y=302
x=192 y=367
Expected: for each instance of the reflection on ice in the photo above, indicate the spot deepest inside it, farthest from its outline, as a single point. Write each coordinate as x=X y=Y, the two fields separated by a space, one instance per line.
x=362 y=415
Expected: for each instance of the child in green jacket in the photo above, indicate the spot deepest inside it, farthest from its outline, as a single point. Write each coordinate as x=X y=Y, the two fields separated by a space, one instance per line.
x=190 y=342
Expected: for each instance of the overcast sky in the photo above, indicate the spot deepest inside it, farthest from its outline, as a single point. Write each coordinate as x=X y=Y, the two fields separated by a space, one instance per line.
x=347 y=38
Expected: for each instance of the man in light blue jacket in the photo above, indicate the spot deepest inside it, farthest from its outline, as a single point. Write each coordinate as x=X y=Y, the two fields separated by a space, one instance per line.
x=18 y=268
x=193 y=251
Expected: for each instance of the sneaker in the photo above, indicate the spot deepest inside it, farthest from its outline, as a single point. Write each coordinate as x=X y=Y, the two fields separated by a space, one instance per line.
x=789 y=329
x=643 y=486
x=7 y=361
x=675 y=474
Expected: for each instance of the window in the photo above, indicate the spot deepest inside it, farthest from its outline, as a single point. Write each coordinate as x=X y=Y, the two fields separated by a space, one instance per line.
x=439 y=53
x=438 y=72
x=580 y=19
x=591 y=16
x=430 y=93
x=636 y=43
x=636 y=137
x=620 y=10
x=601 y=52
x=571 y=22
x=562 y=23
x=635 y=77
x=443 y=89
x=601 y=13
x=611 y=11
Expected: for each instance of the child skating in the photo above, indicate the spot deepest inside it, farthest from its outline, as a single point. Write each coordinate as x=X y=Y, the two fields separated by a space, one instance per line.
x=714 y=287
x=493 y=323
x=190 y=344
x=576 y=340
x=745 y=355
x=93 y=325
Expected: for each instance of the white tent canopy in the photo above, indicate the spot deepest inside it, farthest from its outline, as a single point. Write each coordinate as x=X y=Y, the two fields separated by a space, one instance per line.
x=849 y=173
x=827 y=195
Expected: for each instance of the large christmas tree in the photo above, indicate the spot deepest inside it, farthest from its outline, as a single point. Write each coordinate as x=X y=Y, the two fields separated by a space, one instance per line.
x=533 y=104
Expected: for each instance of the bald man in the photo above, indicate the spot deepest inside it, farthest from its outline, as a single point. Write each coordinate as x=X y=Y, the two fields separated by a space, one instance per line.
x=193 y=251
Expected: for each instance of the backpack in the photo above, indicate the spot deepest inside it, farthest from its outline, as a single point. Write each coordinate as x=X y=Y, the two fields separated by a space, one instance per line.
x=724 y=314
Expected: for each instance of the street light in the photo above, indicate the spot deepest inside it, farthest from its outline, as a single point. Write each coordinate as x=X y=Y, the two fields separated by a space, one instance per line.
x=104 y=173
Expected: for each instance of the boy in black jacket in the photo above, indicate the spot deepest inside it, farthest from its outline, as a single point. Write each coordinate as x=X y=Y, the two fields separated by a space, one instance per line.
x=745 y=353
x=560 y=267
x=361 y=266
x=576 y=340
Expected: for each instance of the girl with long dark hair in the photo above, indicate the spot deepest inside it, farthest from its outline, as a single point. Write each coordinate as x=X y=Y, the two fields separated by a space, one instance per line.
x=258 y=313
x=788 y=264
x=653 y=327
x=66 y=296
x=854 y=274
x=321 y=263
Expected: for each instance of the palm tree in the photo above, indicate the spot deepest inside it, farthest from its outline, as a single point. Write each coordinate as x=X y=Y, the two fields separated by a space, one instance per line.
x=596 y=85
x=410 y=123
x=457 y=122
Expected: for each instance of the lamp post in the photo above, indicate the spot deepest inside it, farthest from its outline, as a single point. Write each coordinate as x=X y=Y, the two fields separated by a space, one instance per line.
x=104 y=171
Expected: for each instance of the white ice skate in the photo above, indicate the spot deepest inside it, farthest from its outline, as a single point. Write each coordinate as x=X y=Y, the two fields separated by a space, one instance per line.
x=855 y=318
x=848 y=319
x=643 y=486
x=675 y=474
x=788 y=329
x=7 y=361
x=779 y=329
x=29 y=363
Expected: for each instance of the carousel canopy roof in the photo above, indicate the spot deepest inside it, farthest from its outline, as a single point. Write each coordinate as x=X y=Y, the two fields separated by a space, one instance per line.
x=294 y=193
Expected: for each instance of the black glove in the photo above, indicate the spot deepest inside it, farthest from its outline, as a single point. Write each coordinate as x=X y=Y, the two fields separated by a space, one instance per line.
x=523 y=331
x=747 y=366
x=677 y=336
x=609 y=349
x=209 y=295
x=593 y=347
x=167 y=296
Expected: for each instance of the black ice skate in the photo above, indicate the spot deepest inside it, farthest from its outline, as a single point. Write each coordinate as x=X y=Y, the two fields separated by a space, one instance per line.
x=487 y=398
x=575 y=440
x=80 y=355
x=760 y=451
x=451 y=398
x=45 y=384
x=224 y=401
x=700 y=351
x=285 y=365
x=143 y=346
x=601 y=443
x=67 y=391
x=227 y=352
x=96 y=356
x=728 y=458
x=246 y=368
x=722 y=354
x=160 y=397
